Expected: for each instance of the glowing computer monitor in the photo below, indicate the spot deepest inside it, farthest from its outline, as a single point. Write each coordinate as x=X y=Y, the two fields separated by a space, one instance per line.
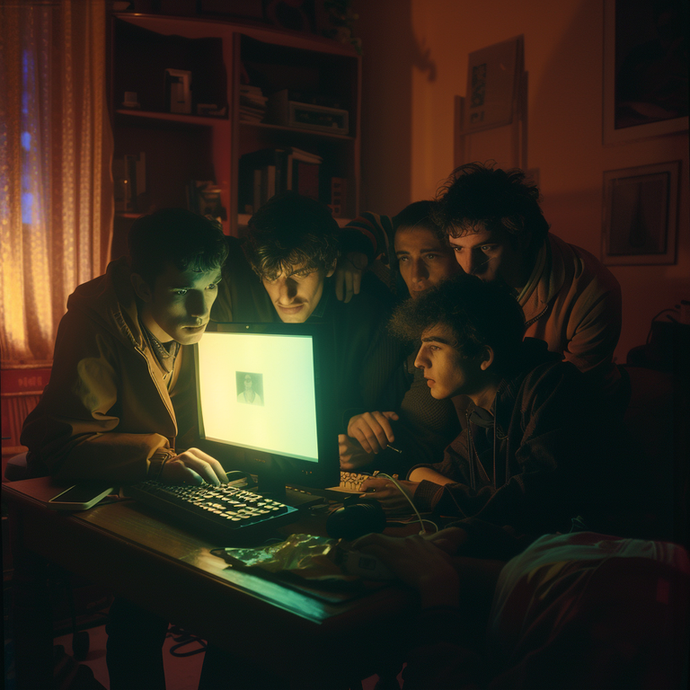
x=264 y=404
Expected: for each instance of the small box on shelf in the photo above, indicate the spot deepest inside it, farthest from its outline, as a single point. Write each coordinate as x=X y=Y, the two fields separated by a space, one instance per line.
x=205 y=197
x=282 y=111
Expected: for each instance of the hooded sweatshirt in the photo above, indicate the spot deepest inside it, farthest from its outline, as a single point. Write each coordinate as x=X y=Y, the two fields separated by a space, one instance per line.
x=111 y=406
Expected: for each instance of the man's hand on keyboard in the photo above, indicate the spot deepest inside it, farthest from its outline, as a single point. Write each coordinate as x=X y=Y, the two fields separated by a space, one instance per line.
x=373 y=430
x=352 y=457
x=389 y=495
x=192 y=467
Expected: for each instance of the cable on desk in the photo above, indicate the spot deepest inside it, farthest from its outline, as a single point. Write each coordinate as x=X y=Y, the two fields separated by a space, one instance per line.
x=183 y=638
x=409 y=500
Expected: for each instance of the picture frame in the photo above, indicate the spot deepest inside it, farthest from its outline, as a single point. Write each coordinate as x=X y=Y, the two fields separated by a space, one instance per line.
x=493 y=80
x=640 y=224
x=634 y=107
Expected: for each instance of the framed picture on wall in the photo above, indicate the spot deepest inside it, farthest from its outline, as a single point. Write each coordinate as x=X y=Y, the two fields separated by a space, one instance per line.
x=641 y=215
x=493 y=80
x=645 y=68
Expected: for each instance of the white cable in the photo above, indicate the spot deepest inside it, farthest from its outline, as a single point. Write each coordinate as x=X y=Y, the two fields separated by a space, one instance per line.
x=409 y=500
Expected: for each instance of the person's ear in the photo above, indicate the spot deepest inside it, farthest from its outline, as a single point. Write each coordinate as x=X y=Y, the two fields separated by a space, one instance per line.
x=330 y=271
x=487 y=358
x=141 y=288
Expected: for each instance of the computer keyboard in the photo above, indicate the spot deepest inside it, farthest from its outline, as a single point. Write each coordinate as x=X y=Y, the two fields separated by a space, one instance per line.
x=222 y=512
x=352 y=481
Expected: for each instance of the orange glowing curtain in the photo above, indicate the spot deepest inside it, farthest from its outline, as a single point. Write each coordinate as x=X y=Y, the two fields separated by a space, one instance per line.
x=55 y=153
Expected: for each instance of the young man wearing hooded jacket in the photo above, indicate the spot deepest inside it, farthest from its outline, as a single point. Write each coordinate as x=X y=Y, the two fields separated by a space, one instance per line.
x=531 y=453
x=120 y=405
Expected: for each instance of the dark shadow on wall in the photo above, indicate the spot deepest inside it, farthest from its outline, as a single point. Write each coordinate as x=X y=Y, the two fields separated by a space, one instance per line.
x=390 y=52
x=561 y=111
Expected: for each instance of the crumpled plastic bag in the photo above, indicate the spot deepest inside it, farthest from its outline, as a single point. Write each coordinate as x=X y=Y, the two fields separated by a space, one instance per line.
x=305 y=555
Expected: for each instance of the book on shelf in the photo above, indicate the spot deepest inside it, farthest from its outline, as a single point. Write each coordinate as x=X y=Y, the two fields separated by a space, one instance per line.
x=338 y=196
x=268 y=182
x=267 y=172
x=252 y=103
x=305 y=179
x=129 y=176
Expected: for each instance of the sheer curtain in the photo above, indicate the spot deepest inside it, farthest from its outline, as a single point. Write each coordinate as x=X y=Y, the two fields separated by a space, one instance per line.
x=56 y=201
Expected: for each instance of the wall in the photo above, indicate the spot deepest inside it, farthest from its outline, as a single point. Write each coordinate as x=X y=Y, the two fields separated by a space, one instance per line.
x=415 y=63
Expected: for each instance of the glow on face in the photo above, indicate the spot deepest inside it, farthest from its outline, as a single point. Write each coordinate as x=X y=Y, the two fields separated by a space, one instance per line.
x=423 y=259
x=296 y=293
x=446 y=371
x=488 y=254
x=179 y=306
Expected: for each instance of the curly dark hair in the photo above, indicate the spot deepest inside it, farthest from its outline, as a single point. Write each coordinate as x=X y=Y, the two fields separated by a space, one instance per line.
x=175 y=236
x=483 y=195
x=291 y=230
x=420 y=214
x=478 y=314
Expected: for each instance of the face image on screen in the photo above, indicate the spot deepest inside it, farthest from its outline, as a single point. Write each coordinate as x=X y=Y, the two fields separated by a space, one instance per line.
x=256 y=390
x=249 y=388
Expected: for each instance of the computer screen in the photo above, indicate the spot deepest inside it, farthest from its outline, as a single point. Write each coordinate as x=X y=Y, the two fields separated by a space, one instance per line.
x=263 y=391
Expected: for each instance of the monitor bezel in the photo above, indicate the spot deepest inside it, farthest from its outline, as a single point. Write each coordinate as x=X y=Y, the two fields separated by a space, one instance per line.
x=275 y=471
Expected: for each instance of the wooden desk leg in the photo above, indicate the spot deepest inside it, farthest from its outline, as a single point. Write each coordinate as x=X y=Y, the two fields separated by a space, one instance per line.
x=32 y=622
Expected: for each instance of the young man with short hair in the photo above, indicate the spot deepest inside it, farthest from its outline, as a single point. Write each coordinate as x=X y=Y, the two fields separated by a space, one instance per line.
x=531 y=453
x=120 y=404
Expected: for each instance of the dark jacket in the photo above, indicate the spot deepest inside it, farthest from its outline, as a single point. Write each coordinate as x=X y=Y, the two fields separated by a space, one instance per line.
x=532 y=469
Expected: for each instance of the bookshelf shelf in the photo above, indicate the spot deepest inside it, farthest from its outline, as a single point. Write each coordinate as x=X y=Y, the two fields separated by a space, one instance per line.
x=226 y=62
x=203 y=120
x=297 y=130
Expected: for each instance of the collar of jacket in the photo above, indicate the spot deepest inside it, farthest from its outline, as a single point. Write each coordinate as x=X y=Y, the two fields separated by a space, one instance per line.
x=550 y=273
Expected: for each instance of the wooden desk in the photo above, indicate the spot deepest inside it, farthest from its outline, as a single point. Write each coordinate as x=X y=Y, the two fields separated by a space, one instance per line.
x=172 y=573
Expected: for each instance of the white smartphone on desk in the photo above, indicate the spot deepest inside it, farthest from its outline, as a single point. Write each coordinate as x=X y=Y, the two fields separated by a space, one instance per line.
x=80 y=496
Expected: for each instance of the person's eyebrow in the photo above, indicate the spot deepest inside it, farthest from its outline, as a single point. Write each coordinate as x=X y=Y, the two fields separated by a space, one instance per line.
x=189 y=286
x=476 y=244
x=436 y=339
x=423 y=250
x=306 y=270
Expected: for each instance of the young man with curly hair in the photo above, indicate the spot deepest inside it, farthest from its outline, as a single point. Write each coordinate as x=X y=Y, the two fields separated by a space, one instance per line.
x=292 y=246
x=533 y=453
x=569 y=299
